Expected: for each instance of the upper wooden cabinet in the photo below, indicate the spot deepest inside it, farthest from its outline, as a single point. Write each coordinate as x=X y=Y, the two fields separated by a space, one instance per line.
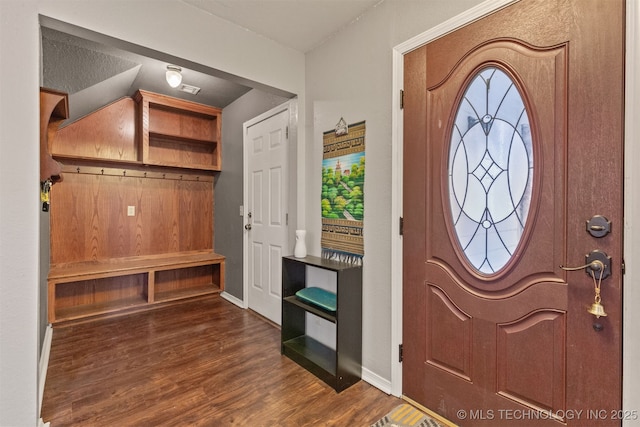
x=178 y=133
x=148 y=129
x=54 y=109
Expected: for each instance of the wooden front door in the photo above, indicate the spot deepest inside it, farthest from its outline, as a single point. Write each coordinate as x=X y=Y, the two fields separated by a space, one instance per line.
x=513 y=141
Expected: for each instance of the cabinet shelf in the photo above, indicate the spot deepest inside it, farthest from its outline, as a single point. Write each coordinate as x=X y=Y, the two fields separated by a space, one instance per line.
x=180 y=165
x=340 y=367
x=318 y=358
x=181 y=139
x=183 y=152
x=179 y=133
x=187 y=293
x=83 y=311
x=63 y=158
x=327 y=315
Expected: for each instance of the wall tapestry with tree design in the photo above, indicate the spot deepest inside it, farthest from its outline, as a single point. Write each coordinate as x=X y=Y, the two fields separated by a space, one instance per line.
x=343 y=168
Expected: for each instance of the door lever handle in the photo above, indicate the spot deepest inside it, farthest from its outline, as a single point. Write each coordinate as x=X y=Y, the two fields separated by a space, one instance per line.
x=596 y=263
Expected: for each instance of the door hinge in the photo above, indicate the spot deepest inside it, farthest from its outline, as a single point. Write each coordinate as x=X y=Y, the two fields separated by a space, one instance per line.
x=401 y=226
x=287 y=132
x=400 y=350
x=401 y=99
x=286 y=219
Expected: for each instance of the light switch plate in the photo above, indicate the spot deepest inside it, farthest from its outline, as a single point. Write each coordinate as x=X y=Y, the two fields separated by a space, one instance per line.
x=131 y=211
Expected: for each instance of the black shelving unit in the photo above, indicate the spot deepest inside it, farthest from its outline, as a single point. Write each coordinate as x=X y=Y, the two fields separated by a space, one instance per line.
x=339 y=368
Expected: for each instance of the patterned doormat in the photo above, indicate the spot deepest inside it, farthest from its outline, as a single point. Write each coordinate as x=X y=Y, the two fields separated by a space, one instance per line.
x=406 y=415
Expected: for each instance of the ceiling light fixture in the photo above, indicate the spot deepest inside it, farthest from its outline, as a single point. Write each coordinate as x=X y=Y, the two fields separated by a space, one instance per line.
x=174 y=78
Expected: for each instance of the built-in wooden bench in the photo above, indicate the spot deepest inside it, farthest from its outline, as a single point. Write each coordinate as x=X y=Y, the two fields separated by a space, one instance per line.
x=81 y=289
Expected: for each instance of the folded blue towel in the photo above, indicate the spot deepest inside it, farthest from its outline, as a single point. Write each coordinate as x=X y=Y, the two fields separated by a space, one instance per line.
x=319 y=297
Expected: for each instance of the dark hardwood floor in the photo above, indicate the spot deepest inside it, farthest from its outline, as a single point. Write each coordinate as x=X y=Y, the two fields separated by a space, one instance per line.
x=201 y=363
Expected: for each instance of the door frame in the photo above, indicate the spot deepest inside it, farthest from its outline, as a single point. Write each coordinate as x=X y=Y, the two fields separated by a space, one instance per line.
x=631 y=294
x=292 y=107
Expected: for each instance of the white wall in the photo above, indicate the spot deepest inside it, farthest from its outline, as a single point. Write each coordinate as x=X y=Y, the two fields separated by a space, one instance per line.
x=19 y=213
x=351 y=76
x=169 y=26
x=631 y=297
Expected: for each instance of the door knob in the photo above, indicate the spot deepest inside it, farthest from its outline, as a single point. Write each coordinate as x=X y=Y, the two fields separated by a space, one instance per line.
x=247 y=227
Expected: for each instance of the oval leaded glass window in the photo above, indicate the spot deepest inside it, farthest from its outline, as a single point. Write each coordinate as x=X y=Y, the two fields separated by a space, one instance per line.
x=490 y=170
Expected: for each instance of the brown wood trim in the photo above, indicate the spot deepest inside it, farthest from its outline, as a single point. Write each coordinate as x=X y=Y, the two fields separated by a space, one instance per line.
x=130 y=265
x=175 y=103
x=54 y=109
x=179 y=165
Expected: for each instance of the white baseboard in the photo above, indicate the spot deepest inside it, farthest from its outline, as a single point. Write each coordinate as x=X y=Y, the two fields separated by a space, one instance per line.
x=232 y=299
x=42 y=423
x=43 y=366
x=376 y=380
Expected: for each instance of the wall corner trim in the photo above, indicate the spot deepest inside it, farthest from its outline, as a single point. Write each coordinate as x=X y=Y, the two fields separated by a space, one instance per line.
x=43 y=365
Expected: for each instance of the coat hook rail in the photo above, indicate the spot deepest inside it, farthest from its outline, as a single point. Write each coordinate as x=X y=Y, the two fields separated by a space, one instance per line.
x=134 y=173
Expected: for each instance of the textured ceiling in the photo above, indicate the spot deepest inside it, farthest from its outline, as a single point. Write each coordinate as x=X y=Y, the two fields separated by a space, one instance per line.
x=95 y=69
x=95 y=74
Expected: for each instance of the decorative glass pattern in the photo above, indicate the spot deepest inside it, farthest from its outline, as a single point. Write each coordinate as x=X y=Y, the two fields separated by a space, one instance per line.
x=490 y=170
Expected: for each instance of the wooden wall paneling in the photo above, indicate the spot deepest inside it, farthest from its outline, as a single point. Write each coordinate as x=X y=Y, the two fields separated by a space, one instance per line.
x=68 y=217
x=159 y=211
x=195 y=215
x=122 y=234
x=108 y=134
x=90 y=221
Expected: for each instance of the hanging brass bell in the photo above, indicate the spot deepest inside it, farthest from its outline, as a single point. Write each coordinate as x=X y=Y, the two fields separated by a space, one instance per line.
x=597 y=310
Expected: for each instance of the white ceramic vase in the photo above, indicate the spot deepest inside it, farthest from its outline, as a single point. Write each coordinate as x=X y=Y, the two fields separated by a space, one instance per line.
x=300 y=250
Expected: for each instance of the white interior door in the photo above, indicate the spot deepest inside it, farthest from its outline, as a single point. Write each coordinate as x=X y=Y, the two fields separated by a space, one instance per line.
x=266 y=213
